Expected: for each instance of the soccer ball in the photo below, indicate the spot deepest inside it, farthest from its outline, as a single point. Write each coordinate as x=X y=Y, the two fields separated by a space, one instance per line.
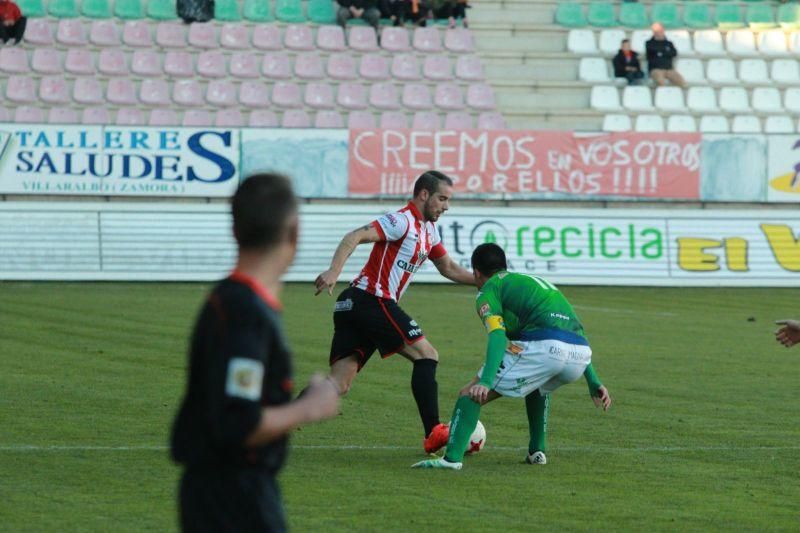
x=477 y=440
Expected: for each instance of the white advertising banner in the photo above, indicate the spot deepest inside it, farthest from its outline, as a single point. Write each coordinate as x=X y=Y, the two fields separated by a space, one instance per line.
x=784 y=168
x=115 y=241
x=118 y=161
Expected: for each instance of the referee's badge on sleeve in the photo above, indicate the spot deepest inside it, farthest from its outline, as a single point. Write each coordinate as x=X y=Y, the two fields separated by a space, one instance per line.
x=244 y=379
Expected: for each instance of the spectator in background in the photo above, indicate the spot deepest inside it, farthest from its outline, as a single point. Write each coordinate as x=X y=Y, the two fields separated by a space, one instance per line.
x=452 y=10
x=626 y=64
x=394 y=10
x=660 y=55
x=12 y=23
x=358 y=9
x=417 y=11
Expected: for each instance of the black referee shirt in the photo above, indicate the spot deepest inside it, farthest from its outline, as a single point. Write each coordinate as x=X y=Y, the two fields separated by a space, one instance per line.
x=239 y=362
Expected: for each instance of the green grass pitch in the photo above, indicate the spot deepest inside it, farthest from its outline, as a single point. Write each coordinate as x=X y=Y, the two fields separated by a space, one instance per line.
x=704 y=433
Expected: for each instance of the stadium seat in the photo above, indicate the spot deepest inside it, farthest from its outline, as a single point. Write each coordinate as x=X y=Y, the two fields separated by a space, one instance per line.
x=96 y=115
x=197 y=118
x=104 y=33
x=759 y=16
x=27 y=114
x=234 y=37
x=425 y=121
x=767 y=100
x=458 y=121
x=746 y=124
x=276 y=66
x=416 y=96
x=177 y=64
x=96 y=9
x=289 y=11
x=111 y=62
x=691 y=70
x=258 y=11
x=714 y=124
x=154 y=92
x=670 y=99
x=62 y=115
x=14 y=60
x=384 y=96
x=634 y=15
x=128 y=9
x=322 y=12
x=374 y=67
x=286 y=94
x=741 y=43
x=319 y=96
x=697 y=16
x=211 y=64
x=778 y=124
x=187 y=93
x=395 y=39
x=785 y=72
x=342 y=67
x=791 y=100
x=729 y=17
x=227 y=11
x=393 y=120
x=582 y=42
x=221 y=93
x=637 y=98
x=753 y=71
x=459 y=40
x=682 y=41
x=360 y=120
x=363 y=39
x=39 y=32
x=570 y=15
x=243 y=65
x=263 y=118
x=71 y=32
x=62 y=8
x=468 y=68
x=136 y=33
x=605 y=98
x=32 y=8
x=772 y=43
x=331 y=39
x=309 y=67
x=702 y=99
x=173 y=35
x=639 y=39
x=438 y=67
x=733 y=100
x=405 y=67
x=21 y=89
x=267 y=37
x=79 y=61
x=253 y=94
x=352 y=96
x=480 y=96
x=295 y=118
x=163 y=117
x=162 y=10
x=427 y=40
x=121 y=91
x=201 y=34
x=721 y=71
x=789 y=16
x=298 y=37
x=601 y=14
x=681 y=123
x=593 y=70
x=609 y=41
x=228 y=118
x=328 y=119
x=47 y=61
x=794 y=42
x=649 y=123
x=666 y=13
x=448 y=96
x=87 y=91
x=708 y=42
x=491 y=120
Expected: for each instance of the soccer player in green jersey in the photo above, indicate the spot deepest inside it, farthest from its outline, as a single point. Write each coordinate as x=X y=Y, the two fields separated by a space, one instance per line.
x=536 y=344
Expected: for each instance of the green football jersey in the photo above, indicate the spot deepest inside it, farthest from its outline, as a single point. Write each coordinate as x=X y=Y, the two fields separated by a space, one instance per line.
x=524 y=304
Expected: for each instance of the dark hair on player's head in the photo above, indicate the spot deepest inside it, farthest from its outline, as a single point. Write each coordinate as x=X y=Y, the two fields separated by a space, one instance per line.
x=430 y=181
x=625 y=41
x=261 y=207
x=488 y=258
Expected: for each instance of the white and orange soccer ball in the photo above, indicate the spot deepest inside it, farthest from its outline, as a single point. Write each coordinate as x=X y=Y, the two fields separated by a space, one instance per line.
x=477 y=440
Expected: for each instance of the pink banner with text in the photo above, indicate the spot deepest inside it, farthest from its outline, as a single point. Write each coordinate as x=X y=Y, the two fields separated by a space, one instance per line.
x=549 y=164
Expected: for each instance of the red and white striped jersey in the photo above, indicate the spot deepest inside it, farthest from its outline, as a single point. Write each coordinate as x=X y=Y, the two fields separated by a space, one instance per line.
x=407 y=240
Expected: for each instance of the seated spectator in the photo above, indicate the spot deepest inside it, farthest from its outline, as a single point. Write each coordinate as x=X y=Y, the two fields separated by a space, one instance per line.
x=358 y=9
x=660 y=55
x=12 y=23
x=417 y=11
x=626 y=64
x=452 y=10
x=394 y=10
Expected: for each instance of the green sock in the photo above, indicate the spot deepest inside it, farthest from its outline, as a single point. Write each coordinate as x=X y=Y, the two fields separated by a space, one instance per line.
x=462 y=424
x=538 y=407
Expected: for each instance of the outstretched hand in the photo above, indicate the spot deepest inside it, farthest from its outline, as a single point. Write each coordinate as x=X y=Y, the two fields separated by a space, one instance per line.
x=602 y=398
x=789 y=333
x=326 y=281
x=479 y=393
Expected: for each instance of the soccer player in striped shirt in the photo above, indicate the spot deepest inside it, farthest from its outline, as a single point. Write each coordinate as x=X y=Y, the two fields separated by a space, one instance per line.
x=367 y=316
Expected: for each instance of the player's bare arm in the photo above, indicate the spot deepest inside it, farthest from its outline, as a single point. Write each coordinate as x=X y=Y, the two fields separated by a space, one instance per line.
x=789 y=332
x=451 y=270
x=348 y=244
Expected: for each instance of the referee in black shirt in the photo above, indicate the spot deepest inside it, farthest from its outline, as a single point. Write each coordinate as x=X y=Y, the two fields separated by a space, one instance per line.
x=230 y=433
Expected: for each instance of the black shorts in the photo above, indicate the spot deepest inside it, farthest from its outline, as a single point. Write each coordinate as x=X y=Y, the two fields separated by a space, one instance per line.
x=230 y=500
x=363 y=323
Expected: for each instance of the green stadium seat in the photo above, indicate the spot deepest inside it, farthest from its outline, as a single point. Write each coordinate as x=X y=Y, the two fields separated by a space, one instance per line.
x=63 y=9
x=258 y=10
x=96 y=9
x=789 y=16
x=227 y=10
x=321 y=11
x=760 y=17
x=32 y=8
x=162 y=10
x=729 y=17
x=667 y=14
x=289 y=11
x=601 y=14
x=633 y=15
x=570 y=14
x=697 y=16
x=128 y=9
